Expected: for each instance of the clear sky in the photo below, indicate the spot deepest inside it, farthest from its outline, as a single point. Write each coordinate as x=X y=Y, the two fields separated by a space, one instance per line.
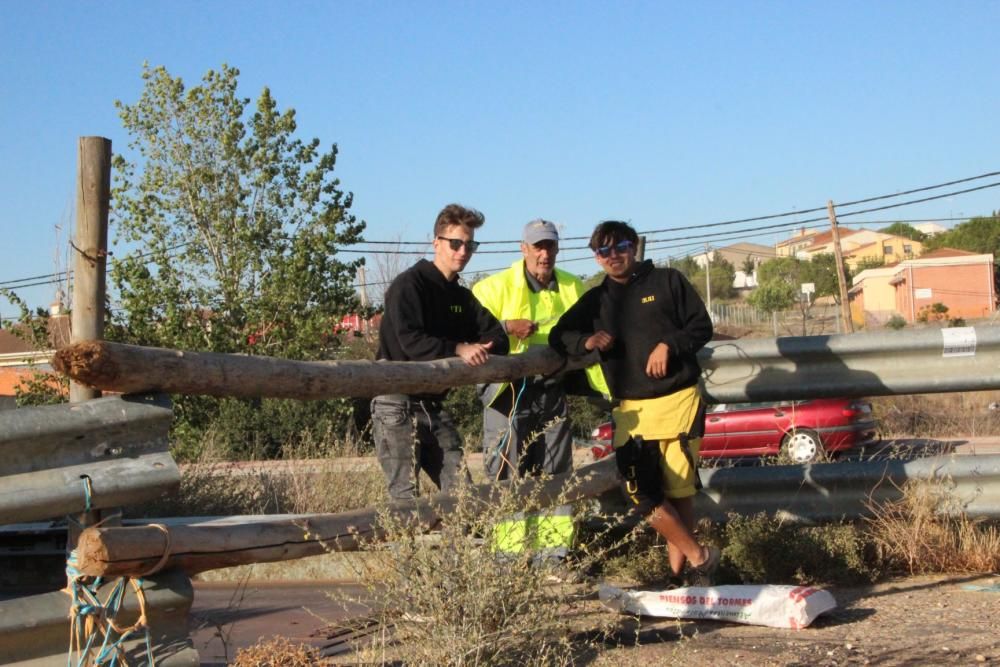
x=665 y=114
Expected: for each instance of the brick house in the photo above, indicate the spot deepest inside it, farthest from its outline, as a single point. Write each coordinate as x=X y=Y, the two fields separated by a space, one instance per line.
x=962 y=281
x=19 y=359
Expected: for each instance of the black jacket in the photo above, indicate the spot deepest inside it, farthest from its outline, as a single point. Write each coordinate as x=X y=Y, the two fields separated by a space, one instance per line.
x=656 y=305
x=426 y=317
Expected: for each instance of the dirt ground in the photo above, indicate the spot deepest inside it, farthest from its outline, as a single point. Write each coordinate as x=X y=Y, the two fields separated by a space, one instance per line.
x=913 y=621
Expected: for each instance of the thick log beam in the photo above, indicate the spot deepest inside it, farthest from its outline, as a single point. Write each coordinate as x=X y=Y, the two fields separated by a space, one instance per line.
x=134 y=551
x=130 y=369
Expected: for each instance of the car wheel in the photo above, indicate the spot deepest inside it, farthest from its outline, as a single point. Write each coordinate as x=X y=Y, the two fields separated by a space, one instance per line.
x=802 y=446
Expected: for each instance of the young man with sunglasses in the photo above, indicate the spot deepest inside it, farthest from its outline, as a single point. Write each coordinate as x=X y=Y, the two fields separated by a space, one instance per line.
x=648 y=324
x=429 y=315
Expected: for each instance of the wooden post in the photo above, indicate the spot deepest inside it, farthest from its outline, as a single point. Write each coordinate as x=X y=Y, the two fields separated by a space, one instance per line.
x=90 y=246
x=708 y=278
x=838 y=254
x=93 y=197
x=640 y=249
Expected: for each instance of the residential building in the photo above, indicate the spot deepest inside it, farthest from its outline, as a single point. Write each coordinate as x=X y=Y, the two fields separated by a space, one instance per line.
x=19 y=360
x=962 y=281
x=888 y=250
x=790 y=247
x=737 y=254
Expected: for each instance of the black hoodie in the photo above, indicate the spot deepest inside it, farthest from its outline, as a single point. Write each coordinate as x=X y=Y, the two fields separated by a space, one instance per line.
x=427 y=316
x=656 y=305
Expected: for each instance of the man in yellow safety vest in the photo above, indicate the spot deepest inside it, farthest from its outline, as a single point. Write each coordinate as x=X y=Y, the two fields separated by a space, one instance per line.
x=526 y=424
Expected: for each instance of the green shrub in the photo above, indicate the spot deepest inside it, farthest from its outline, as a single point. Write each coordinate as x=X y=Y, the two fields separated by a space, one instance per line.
x=896 y=322
x=763 y=550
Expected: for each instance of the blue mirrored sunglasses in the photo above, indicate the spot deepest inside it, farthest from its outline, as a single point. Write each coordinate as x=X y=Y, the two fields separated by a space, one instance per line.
x=621 y=248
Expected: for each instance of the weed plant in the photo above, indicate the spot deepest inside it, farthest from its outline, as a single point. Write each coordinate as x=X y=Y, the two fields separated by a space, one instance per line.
x=456 y=600
x=277 y=652
x=316 y=479
x=765 y=550
x=938 y=415
x=925 y=532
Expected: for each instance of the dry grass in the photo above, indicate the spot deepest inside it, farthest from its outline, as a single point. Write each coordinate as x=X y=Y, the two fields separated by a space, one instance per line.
x=938 y=415
x=456 y=601
x=319 y=476
x=924 y=533
x=276 y=652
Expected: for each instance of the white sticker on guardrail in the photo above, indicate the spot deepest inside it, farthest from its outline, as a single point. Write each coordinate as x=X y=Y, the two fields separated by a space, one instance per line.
x=959 y=341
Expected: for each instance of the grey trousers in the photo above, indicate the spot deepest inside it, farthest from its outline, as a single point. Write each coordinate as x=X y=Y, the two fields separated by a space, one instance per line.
x=411 y=436
x=527 y=431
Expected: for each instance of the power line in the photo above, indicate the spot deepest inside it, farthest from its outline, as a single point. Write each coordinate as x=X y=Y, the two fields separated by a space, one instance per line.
x=47 y=279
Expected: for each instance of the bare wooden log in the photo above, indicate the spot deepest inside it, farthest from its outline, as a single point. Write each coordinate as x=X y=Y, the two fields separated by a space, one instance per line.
x=133 y=551
x=132 y=369
x=93 y=194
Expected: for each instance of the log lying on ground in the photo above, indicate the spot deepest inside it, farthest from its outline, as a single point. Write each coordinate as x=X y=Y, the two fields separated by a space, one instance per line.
x=131 y=369
x=134 y=551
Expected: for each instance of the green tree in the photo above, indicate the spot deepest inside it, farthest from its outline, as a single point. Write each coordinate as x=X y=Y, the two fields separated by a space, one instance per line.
x=239 y=225
x=905 y=230
x=773 y=296
x=822 y=271
x=688 y=266
x=980 y=235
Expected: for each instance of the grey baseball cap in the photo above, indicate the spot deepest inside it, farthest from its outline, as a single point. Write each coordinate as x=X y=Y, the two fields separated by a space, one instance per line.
x=540 y=230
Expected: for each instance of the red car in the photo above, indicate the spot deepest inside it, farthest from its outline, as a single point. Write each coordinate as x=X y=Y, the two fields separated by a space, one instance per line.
x=804 y=430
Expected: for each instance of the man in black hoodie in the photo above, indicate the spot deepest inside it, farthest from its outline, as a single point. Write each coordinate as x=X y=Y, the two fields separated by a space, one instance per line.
x=648 y=324
x=429 y=315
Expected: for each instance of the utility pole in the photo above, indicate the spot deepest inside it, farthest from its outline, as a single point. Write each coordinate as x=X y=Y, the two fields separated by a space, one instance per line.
x=708 y=276
x=363 y=287
x=838 y=254
x=640 y=250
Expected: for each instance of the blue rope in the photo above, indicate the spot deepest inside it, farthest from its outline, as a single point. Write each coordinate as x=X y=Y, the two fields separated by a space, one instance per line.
x=85 y=602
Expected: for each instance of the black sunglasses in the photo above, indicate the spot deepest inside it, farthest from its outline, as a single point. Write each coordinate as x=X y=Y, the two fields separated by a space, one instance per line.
x=455 y=244
x=621 y=248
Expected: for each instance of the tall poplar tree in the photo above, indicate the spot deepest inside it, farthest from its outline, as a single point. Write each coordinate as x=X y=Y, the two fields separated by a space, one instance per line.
x=237 y=225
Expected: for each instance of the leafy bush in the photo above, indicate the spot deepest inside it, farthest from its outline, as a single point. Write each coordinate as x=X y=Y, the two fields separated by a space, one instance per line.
x=896 y=322
x=760 y=549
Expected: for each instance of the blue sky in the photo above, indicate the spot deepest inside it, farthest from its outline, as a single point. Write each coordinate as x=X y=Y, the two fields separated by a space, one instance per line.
x=662 y=113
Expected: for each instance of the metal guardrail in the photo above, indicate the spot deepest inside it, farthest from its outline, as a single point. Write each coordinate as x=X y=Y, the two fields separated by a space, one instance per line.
x=852 y=365
x=64 y=459
x=72 y=458
x=826 y=492
x=34 y=629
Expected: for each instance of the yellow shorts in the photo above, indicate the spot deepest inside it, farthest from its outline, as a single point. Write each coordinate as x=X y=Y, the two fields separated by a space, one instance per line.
x=659 y=421
x=679 y=466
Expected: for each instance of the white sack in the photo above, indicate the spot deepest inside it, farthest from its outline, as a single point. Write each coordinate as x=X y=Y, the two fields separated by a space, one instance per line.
x=774 y=606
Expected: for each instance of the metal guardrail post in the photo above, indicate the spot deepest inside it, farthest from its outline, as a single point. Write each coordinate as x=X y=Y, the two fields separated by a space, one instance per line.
x=63 y=459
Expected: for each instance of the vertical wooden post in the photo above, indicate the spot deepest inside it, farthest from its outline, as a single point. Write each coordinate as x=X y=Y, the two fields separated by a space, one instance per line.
x=838 y=254
x=90 y=245
x=640 y=250
x=90 y=255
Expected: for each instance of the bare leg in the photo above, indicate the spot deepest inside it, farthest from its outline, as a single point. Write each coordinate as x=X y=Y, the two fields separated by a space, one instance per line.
x=685 y=511
x=666 y=521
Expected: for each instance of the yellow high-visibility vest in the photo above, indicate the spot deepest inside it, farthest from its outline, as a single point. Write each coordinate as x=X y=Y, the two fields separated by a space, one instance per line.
x=509 y=297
